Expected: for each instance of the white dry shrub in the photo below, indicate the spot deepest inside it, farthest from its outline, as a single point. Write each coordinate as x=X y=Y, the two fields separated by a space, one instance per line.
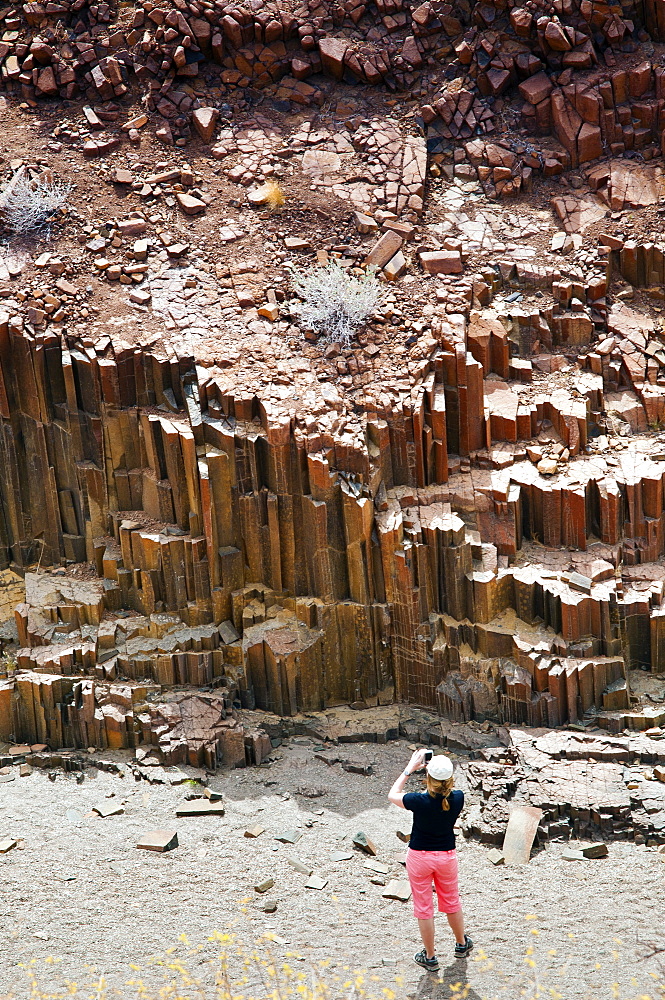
x=27 y=205
x=334 y=302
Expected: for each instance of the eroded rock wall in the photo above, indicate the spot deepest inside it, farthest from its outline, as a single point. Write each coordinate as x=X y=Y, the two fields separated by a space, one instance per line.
x=324 y=567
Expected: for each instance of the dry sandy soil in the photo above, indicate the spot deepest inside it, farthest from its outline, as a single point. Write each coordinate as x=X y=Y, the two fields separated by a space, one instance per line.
x=80 y=891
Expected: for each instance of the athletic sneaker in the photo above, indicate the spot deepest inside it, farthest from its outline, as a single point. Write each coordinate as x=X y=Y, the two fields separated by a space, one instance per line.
x=431 y=964
x=462 y=950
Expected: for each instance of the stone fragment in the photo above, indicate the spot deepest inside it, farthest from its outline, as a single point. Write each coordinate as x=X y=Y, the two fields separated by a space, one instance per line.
x=189 y=204
x=316 y=882
x=568 y=854
x=520 y=832
x=263 y=886
x=397 y=889
x=395 y=267
x=297 y=243
x=442 y=261
x=536 y=89
x=158 y=840
x=364 y=223
x=289 y=836
x=332 y=51
x=254 y=831
x=300 y=866
x=200 y=807
x=132 y=227
x=595 y=851
x=204 y=121
x=7 y=844
x=269 y=311
x=362 y=841
x=496 y=856
x=384 y=249
x=341 y=856
x=138 y=121
x=213 y=795
x=576 y=581
x=377 y=866
x=109 y=809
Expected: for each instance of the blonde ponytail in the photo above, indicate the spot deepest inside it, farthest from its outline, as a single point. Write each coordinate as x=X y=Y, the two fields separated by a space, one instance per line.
x=443 y=788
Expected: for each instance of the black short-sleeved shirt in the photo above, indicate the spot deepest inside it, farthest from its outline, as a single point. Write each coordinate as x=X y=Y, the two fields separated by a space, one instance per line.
x=432 y=826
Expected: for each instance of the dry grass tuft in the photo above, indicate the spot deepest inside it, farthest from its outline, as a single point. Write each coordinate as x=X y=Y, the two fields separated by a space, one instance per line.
x=275 y=197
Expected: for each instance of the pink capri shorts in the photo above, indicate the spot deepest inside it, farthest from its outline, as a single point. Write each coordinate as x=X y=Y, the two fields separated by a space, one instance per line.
x=439 y=868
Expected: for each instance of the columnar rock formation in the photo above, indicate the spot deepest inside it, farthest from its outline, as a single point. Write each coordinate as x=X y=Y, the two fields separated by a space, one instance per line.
x=300 y=567
x=209 y=520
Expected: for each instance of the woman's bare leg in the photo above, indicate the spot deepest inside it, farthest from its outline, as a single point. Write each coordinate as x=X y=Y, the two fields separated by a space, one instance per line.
x=456 y=921
x=426 y=928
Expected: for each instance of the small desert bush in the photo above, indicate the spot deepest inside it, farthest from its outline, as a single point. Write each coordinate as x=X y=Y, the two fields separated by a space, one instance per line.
x=30 y=205
x=335 y=303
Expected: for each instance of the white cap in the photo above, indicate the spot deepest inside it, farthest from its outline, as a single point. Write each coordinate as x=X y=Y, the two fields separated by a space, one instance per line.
x=440 y=768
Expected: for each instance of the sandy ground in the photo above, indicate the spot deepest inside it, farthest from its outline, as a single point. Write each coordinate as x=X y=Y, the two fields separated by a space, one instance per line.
x=79 y=891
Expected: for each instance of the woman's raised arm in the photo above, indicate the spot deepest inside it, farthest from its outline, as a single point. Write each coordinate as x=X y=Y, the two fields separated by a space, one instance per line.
x=396 y=793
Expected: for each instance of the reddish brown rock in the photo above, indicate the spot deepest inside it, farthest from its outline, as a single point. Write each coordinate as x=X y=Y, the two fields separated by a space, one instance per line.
x=204 y=121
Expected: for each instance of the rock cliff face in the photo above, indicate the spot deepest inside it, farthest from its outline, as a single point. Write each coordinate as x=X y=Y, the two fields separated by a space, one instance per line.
x=462 y=510
x=298 y=569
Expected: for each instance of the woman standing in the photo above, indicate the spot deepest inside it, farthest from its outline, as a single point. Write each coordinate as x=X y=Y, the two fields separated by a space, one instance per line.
x=431 y=857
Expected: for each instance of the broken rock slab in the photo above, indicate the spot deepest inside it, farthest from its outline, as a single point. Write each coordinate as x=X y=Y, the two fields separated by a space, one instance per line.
x=380 y=867
x=520 y=832
x=289 y=837
x=158 y=841
x=200 y=807
x=108 y=809
x=362 y=841
x=595 y=851
x=300 y=866
x=442 y=262
x=397 y=889
x=316 y=882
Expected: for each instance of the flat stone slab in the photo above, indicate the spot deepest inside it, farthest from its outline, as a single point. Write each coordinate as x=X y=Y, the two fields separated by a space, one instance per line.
x=109 y=809
x=380 y=867
x=398 y=888
x=289 y=837
x=520 y=832
x=316 y=882
x=341 y=856
x=200 y=807
x=300 y=866
x=158 y=840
